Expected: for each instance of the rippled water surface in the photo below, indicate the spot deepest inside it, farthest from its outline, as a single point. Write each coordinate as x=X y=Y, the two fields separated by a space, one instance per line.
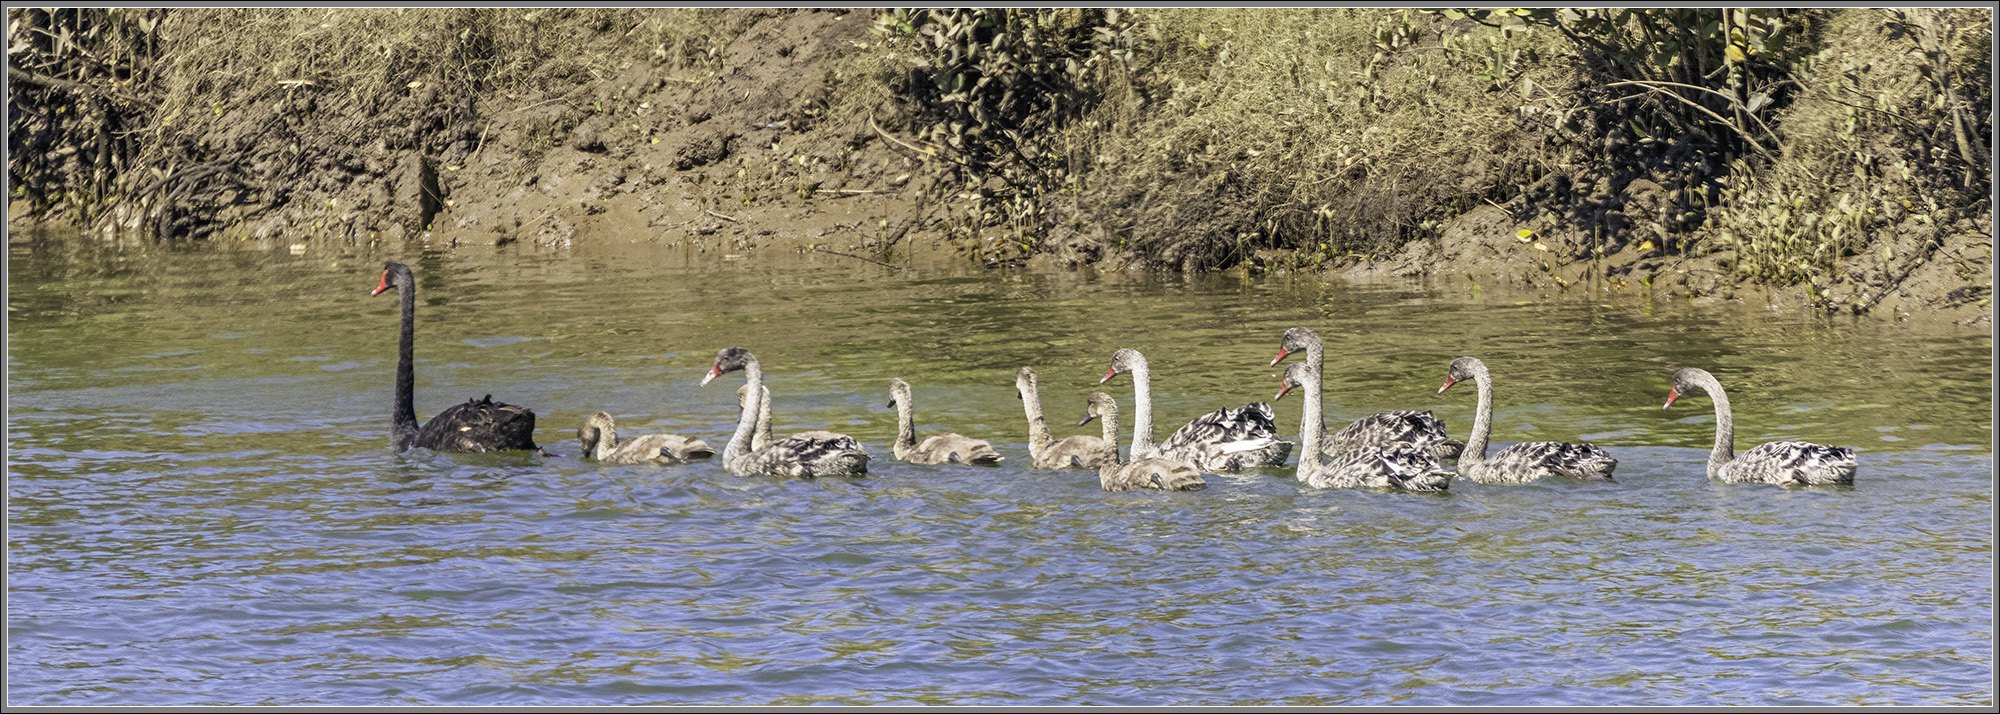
x=203 y=507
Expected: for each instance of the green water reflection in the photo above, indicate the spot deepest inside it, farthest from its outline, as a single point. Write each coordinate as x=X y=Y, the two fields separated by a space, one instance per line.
x=214 y=348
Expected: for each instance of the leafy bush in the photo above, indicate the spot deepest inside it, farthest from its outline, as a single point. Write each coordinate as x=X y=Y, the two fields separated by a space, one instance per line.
x=1791 y=137
x=1794 y=137
x=1875 y=143
x=993 y=94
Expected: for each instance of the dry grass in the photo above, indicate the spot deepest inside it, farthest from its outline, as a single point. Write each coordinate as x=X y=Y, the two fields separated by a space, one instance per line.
x=232 y=106
x=367 y=59
x=1295 y=129
x=1335 y=132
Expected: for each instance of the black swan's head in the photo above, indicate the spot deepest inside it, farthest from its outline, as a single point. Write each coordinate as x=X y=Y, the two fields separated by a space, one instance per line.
x=1099 y=404
x=899 y=392
x=595 y=427
x=394 y=275
x=1684 y=380
x=1024 y=380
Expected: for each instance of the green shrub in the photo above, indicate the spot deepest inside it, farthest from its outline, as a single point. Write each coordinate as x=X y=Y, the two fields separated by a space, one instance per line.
x=993 y=93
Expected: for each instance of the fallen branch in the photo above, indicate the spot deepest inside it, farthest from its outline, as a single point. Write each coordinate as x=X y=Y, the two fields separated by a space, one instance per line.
x=898 y=142
x=849 y=190
x=21 y=75
x=818 y=249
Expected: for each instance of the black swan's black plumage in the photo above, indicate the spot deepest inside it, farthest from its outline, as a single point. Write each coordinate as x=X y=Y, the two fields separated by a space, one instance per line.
x=477 y=425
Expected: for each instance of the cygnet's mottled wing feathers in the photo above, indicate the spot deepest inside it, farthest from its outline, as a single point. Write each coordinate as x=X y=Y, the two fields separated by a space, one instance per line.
x=1400 y=466
x=668 y=448
x=1397 y=425
x=1151 y=473
x=1795 y=462
x=953 y=449
x=1077 y=452
x=1529 y=461
x=1229 y=440
x=811 y=455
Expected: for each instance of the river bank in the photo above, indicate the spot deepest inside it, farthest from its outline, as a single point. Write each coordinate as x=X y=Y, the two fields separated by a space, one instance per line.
x=756 y=140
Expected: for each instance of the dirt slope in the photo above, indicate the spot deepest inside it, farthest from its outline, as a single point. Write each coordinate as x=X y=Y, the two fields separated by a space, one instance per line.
x=746 y=159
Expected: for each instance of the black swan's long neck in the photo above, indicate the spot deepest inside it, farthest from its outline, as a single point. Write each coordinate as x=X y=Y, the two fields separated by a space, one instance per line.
x=403 y=415
x=1107 y=471
x=746 y=421
x=761 y=404
x=1482 y=421
x=599 y=441
x=1724 y=450
x=763 y=436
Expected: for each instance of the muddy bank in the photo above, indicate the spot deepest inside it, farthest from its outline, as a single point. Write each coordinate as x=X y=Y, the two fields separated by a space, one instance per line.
x=1930 y=277
x=756 y=132
x=734 y=154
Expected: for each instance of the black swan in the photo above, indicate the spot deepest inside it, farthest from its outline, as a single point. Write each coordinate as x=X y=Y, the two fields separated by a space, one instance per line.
x=1153 y=472
x=1069 y=452
x=807 y=455
x=599 y=437
x=1222 y=440
x=475 y=426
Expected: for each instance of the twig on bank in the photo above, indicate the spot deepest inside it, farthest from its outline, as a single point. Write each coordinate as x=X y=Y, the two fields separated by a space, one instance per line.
x=540 y=104
x=538 y=219
x=718 y=215
x=482 y=143
x=655 y=223
x=88 y=90
x=898 y=142
x=818 y=249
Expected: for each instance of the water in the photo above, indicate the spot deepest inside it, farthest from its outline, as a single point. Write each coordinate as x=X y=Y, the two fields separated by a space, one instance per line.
x=203 y=508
